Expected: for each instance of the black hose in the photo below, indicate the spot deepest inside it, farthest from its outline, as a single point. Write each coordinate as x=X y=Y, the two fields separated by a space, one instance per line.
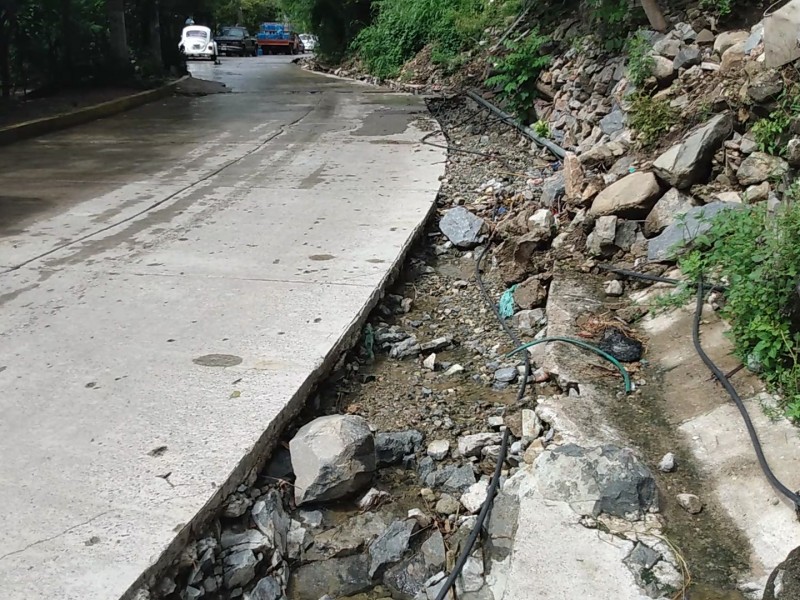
x=637 y=275
x=762 y=461
x=495 y=482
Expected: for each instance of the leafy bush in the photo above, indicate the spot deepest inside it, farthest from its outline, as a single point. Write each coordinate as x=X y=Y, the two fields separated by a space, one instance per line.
x=640 y=58
x=772 y=133
x=651 y=118
x=720 y=7
x=757 y=254
x=401 y=28
x=611 y=20
x=542 y=129
x=518 y=70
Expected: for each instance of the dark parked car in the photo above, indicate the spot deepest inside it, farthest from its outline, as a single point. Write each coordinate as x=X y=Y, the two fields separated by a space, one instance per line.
x=236 y=40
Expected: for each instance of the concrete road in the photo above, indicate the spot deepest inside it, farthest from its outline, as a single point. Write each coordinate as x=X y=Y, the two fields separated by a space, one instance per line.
x=172 y=282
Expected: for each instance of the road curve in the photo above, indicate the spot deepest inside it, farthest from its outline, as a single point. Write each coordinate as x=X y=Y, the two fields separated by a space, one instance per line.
x=172 y=282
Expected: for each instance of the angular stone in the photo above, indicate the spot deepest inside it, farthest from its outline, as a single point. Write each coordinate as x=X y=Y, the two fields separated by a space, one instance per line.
x=784 y=581
x=462 y=228
x=529 y=319
x=447 y=505
x=732 y=59
x=348 y=538
x=406 y=580
x=542 y=219
x=390 y=546
x=392 y=448
x=531 y=424
x=573 y=177
x=502 y=525
x=239 y=568
x=757 y=193
x=625 y=237
x=267 y=588
x=605 y=479
x=663 y=69
x=475 y=496
x=471 y=445
x=793 y=152
x=333 y=457
x=530 y=294
x=687 y=57
x=471 y=578
x=759 y=167
x=251 y=539
x=601 y=240
x=667 y=46
x=339 y=577
x=613 y=122
x=633 y=195
x=438 y=449
x=600 y=154
x=408 y=347
x=643 y=556
x=671 y=205
x=685 y=32
x=690 y=503
x=271 y=519
x=727 y=39
x=613 y=288
x=696 y=222
x=765 y=86
x=705 y=37
x=689 y=162
x=434 y=552
x=667 y=463
x=459 y=479
x=553 y=189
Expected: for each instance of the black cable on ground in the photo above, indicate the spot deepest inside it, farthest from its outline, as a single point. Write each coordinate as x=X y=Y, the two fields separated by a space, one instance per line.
x=637 y=275
x=762 y=461
x=495 y=482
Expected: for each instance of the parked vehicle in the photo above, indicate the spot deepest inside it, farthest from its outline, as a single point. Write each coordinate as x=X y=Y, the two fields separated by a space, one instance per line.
x=197 y=42
x=309 y=41
x=278 y=38
x=236 y=40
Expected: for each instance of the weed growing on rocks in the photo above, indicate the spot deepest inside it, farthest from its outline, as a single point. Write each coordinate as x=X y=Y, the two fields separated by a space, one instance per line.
x=518 y=70
x=651 y=118
x=755 y=252
x=772 y=132
x=640 y=59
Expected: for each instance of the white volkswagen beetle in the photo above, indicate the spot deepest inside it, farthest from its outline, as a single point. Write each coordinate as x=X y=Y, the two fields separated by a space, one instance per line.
x=197 y=42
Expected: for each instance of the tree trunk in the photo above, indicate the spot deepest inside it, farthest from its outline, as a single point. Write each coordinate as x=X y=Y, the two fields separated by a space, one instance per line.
x=5 y=59
x=155 y=34
x=120 y=56
x=67 y=36
x=654 y=15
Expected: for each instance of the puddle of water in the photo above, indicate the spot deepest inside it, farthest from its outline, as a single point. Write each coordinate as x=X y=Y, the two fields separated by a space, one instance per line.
x=218 y=360
x=321 y=257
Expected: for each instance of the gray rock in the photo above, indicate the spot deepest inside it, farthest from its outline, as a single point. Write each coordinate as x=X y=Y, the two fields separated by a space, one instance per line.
x=460 y=479
x=633 y=195
x=406 y=580
x=688 y=57
x=339 y=577
x=705 y=37
x=439 y=449
x=685 y=32
x=793 y=152
x=601 y=240
x=250 y=539
x=690 y=503
x=748 y=144
x=471 y=578
x=626 y=234
x=297 y=541
x=267 y=588
x=671 y=205
x=605 y=479
x=506 y=374
x=553 y=189
x=667 y=463
x=529 y=320
x=502 y=525
x=333 y=457
x=348 y=538
x=643 y=556
x=542 y=219
x=689 y=162
x=784 y=581
x=475 y=496
x=765 y=86
x=440 y=343
x=530 y=294
x=390 y=546
x=613 y=122
x=271 y=519
x=471 y=445
x=447 y=505
x=280 y=464
x=531 y=424
x=405 y=349
x=462 y=228
x=236 y=506
x=663 y=69
x=760 y=192
x=391 y=448
x=728 y=39
x=668 y=46
x=696 y=222
x=239 y=568
x=613 y=288
x=756 y=37
x=760 y=166
x=732 y=59
x=312 y=518
x=434 y=552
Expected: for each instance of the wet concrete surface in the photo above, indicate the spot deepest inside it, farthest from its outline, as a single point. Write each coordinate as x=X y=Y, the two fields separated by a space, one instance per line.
x=177 y=278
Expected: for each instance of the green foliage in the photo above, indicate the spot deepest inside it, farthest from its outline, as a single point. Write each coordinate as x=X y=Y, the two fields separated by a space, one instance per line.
x=518 y=70
x=401 y=28
x=651 y=118
x=640 y=58
x=757 y=254
x=542 y=129
x=772 y=133
x=721 y=7
x=253 y=13
x=611 y=20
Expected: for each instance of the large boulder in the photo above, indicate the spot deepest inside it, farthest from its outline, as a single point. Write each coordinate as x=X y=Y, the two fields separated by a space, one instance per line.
x=784 y=582
x=732 y=59
x=663 y=69
x=671 y=205
x=604 y=479
x=728 y=39
x=696 y=221
x=332 y=457
x=633 y=195
x=765 y=86
x=462 y=228
x=689 y=162
x=760 y=166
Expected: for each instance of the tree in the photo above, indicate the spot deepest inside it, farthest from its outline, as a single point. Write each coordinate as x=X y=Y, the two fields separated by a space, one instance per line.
x=118 y=37
x=654 y=15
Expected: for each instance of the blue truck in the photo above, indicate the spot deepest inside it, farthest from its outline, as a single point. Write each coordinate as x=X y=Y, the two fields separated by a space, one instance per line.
x=278 y=38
